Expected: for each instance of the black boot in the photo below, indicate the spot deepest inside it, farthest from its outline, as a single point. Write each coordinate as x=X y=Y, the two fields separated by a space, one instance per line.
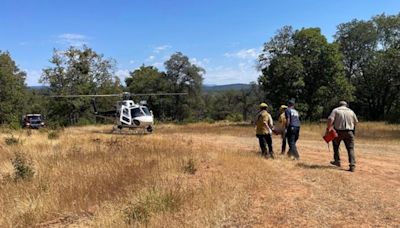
x=336 y=163
x=263 y=152
x=283 y=150
x=272 y=154
x=289 y=153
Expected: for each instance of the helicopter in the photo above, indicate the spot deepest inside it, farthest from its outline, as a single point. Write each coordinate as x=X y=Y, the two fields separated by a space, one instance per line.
x=127 y=114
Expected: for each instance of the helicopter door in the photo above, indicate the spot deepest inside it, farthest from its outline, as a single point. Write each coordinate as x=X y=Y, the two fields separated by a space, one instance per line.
x=125 y=117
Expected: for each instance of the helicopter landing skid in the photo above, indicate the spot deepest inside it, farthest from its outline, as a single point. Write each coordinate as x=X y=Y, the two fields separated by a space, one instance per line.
x=118 y=129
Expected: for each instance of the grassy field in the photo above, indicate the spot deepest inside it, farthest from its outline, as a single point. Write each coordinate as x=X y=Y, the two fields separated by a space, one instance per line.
x=196 y=175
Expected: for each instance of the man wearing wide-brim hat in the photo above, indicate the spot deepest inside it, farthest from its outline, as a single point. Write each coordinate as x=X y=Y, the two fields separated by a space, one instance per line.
x=264 y=126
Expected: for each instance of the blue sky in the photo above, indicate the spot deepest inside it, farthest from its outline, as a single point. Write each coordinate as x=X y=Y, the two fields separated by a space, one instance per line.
x=224 y=37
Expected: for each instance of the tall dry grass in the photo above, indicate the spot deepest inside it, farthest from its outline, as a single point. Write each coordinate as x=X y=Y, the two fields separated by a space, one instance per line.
x=197 y=175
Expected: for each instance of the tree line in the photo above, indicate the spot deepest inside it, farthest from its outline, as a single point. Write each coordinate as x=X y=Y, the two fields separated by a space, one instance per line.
x=361 y=65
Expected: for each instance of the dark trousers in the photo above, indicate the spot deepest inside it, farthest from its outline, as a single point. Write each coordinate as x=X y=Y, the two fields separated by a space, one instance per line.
x=283 y=136
x=292 y=135
x=348 y=138
x=263 y=141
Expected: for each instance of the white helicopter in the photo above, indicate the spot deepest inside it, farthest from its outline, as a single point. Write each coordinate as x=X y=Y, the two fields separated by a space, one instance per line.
x=128 y=114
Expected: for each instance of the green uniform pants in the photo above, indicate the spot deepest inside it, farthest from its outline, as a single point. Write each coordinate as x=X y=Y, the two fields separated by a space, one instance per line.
x=348 y=138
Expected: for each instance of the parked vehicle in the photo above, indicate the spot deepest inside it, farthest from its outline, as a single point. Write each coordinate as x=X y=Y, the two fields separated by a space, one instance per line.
x=34 y=121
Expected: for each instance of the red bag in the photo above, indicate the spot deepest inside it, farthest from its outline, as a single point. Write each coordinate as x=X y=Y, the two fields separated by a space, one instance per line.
x=330 y=135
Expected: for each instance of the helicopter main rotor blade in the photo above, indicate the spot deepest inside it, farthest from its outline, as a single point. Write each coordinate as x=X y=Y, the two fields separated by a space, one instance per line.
x=98 y=95
x=157 y=94
x=120 y=95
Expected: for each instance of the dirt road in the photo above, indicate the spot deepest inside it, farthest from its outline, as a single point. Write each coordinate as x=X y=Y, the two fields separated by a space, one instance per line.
x=311 y=192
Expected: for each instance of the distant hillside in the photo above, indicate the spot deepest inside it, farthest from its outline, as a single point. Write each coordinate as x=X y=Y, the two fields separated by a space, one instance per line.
x=217 y=88
x=38 y=87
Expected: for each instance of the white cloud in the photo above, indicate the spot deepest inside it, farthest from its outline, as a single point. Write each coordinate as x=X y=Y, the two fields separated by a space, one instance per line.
x=132 y=61
x=154 y=61
x=60 y=52
x=251 y=53
x=233 y=44
x=165 y=57
x=242 y=68
x=200 y=62
x=72 y=39
x=32 y=76
x=157 y=64
x=161 y=48
x=122 y=74
x=243 y=72
x=150 y=58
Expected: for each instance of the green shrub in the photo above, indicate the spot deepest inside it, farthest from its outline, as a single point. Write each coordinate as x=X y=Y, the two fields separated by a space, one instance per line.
x=235 y=117
x=53 y=135
x=393 y=117
x=22 y=167
x=152 y=202
x=188 y=120
x=54 y=125
x=11 y=140
x=85 y=121
x=209 y=120
x=15 y=125
x=29 y=132
x=43 y=130
x=190 y=167
x=170 y=201
x=14 y=122
x=137 y=213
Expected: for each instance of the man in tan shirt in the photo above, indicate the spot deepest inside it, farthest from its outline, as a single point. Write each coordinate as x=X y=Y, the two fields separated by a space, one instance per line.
x=264 y=125
x=344 y=121
x=282 y=127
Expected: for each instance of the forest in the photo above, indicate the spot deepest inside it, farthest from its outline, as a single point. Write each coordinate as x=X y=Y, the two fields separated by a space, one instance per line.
x=360 y=65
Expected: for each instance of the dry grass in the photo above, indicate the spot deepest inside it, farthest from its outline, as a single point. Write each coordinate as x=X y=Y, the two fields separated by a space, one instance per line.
x=197 y=175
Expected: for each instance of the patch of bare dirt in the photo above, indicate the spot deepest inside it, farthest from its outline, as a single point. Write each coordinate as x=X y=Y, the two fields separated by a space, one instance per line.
x=311 y=192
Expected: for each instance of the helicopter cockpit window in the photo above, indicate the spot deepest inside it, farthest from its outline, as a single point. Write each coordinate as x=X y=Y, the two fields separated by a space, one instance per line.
x=146 y=111
x=136 y=112
x=34 y=118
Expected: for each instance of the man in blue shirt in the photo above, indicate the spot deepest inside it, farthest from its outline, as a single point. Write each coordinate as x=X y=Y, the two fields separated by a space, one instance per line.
x=292 y=129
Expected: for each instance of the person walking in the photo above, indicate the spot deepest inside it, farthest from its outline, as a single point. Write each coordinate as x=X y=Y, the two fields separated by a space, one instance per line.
x=282 y=127
x=292 y=129
x=344 y=121
x=264 y=125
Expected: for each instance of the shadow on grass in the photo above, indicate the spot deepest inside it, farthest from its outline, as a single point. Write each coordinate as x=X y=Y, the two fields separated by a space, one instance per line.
x=314 y=166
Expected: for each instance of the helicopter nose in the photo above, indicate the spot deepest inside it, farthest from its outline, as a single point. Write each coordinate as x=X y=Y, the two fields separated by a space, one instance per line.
x=145 y=120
